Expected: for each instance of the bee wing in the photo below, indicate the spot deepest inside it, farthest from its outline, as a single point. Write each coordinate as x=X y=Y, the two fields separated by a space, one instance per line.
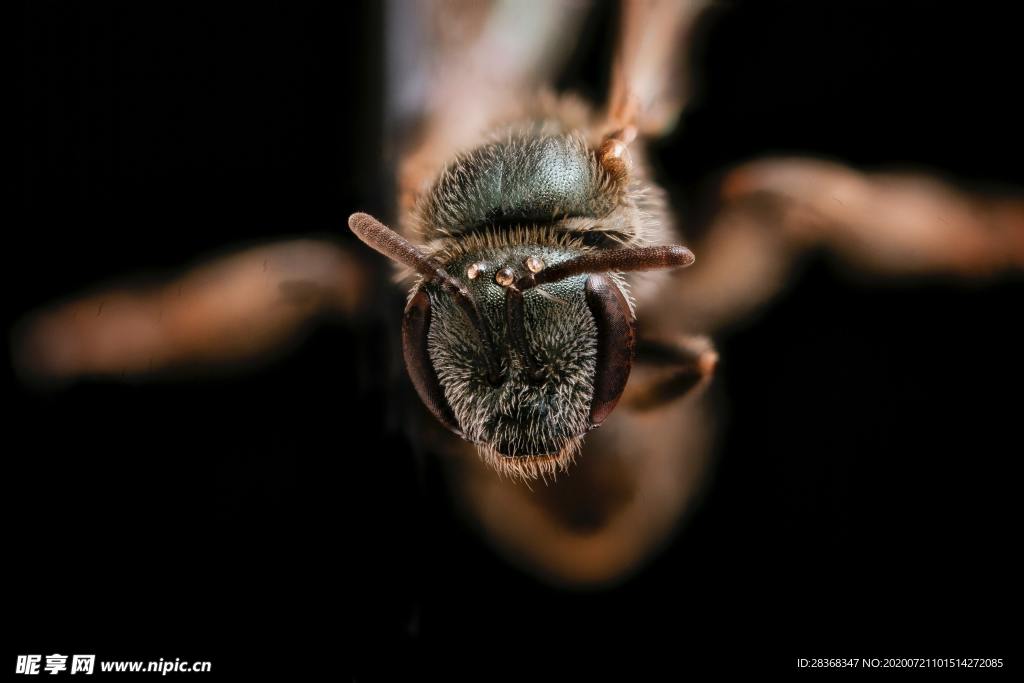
x=458 y=67
x=234 y=308
x=888 y=224
x=650 y=76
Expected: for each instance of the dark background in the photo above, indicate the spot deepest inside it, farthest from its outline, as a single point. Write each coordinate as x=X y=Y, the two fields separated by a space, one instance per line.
x=864 y=501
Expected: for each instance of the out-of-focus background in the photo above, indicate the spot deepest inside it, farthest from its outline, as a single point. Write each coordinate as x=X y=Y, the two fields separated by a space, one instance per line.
x=274 y=519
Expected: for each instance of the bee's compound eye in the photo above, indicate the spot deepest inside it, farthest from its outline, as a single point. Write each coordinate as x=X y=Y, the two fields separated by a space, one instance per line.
x=505 y=277
x=415 y=326
x=534 y=264
x=616 y=340
x=474 y=270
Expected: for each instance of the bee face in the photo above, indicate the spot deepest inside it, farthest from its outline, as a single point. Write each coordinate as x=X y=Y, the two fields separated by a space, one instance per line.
x=529 y=419
x=521 y=342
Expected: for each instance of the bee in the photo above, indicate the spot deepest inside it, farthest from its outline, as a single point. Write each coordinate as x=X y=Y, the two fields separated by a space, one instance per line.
x=519 y=333
x=549 y=291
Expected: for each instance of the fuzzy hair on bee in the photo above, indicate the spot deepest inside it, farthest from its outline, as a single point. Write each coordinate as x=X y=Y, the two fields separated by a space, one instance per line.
x=521 y=428
x=524 y=369
x=550 y=169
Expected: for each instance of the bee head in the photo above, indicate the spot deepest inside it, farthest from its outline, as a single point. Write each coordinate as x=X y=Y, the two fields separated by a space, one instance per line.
x=520 y=348
x=528 y=386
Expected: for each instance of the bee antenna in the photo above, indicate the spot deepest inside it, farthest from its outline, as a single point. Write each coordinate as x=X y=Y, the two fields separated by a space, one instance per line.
x=623 y=260
x=386 y=241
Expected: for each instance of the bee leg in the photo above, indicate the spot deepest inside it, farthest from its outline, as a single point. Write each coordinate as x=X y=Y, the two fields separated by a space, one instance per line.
x=650 y=73
x=771 y=211
x=235 y=308
x=668 y=369
x=883 y=223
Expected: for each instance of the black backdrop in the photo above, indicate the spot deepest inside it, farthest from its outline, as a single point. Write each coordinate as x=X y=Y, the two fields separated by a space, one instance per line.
x=863 y=503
